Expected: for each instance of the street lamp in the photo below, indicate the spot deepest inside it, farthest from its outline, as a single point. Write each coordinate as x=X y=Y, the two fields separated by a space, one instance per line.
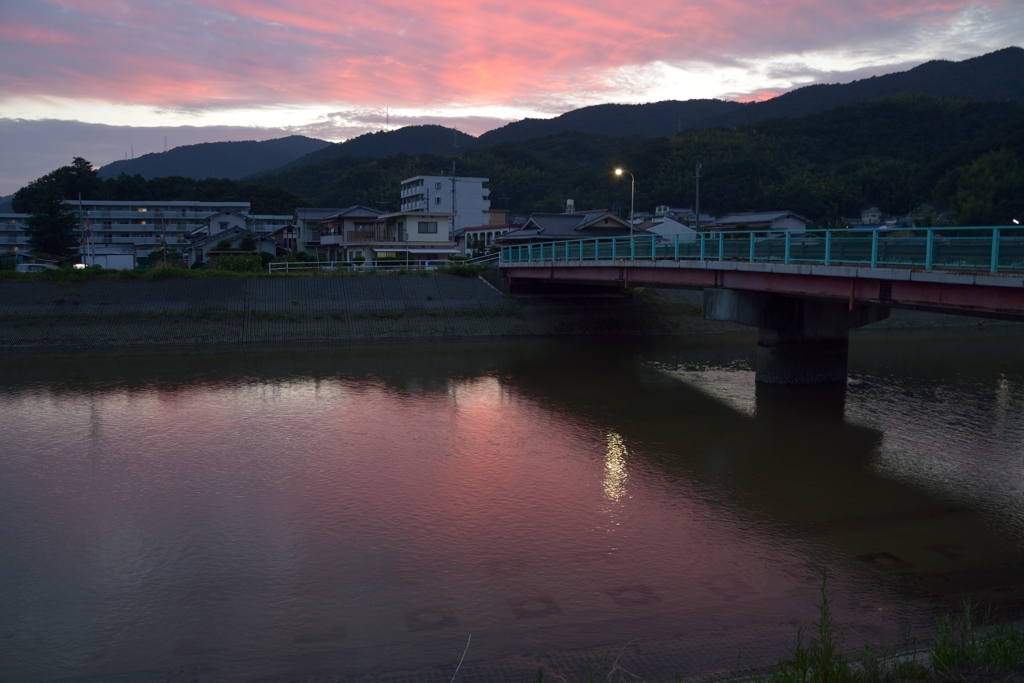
x=632 y=194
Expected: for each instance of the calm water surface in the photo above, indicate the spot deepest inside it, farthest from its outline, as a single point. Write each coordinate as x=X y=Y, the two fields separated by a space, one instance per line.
x=343 y=514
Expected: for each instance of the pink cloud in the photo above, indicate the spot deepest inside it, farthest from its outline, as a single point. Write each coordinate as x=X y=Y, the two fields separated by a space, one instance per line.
x=221 y=53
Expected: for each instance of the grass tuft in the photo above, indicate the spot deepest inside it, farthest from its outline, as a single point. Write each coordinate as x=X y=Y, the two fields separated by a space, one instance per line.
x=964 y=648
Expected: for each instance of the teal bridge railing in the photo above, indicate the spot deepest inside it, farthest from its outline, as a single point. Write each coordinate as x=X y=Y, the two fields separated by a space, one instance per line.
x=992 y=248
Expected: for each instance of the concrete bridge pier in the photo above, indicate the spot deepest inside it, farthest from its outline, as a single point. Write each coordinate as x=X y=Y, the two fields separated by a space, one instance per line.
x=800 y=340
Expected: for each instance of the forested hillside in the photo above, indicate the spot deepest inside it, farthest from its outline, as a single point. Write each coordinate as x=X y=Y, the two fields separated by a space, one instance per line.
x=995 y=77
x=407 y=140
x=998 y=77
x=216 y=159
x=649 y=120
x=898 y=152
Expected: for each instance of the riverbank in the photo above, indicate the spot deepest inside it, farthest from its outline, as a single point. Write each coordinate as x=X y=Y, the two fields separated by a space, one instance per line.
x=259 y=310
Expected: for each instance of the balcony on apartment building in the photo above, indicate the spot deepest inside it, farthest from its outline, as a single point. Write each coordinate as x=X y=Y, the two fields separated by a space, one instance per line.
x=412 y=190
x=149 y=215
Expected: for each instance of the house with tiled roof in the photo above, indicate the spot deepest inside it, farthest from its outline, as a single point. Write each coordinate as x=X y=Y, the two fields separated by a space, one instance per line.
x=203 y=247
x=555 y=227
x=762 y=220
x=323 y=231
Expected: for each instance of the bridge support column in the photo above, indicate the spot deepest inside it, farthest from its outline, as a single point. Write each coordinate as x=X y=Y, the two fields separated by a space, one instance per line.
x=799 y=340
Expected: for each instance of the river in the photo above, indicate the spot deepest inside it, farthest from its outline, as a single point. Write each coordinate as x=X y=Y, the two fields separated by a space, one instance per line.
x=357 y=513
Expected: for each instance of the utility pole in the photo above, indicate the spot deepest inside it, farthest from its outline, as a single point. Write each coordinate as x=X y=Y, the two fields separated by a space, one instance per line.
x=81 y=220
x=698 y=197
x=451 y=232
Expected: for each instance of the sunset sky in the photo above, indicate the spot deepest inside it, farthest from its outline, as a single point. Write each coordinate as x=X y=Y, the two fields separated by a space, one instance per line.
x=136 y=70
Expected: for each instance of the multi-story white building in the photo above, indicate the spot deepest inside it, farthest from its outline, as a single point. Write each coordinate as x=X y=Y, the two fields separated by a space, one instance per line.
x=12 y=232
x=465 y=198
x=141 y=224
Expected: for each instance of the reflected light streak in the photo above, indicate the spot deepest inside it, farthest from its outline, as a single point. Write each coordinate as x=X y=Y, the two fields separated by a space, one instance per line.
x=615 y=473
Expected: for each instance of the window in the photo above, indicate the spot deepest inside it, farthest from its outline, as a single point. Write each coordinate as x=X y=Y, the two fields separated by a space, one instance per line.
x=223 y=225
x=437 y=186
x=426 y=227
x=437 y=200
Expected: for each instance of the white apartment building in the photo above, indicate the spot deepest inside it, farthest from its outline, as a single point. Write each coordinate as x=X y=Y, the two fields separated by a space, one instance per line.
x=465 y=198
x=12 y=232
x=140 y=224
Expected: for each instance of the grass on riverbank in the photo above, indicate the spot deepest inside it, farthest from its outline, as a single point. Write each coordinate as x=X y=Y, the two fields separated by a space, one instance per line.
x=966 y=647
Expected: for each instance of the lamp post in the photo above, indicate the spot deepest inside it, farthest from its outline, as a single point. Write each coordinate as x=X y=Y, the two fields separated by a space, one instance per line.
x=632 y=194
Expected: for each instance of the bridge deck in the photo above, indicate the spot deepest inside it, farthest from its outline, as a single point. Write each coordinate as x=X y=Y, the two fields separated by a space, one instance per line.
x=963 y=270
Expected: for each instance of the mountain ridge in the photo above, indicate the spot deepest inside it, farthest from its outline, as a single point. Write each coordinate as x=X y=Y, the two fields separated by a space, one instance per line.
x=995 y=76
x=232 y=160
x=898 y=153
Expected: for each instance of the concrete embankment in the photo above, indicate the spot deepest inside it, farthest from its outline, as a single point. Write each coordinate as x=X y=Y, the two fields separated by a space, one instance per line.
x=232 y=310
x=229 y=310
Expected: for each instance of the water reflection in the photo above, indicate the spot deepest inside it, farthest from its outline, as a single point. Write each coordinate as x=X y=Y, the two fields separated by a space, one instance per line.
x=290 y=513
x=615 y=473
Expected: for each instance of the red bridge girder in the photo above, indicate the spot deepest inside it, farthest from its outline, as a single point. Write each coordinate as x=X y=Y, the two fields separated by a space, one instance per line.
x=944 y=291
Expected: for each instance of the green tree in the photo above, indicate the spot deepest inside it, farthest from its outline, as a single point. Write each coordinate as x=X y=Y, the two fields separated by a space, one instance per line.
x=69 y=181
x=247 y=243
x=989 y=190
x=51 y=227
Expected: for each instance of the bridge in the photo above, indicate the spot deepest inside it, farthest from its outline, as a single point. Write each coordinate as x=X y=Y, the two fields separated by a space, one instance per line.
x=803 y=291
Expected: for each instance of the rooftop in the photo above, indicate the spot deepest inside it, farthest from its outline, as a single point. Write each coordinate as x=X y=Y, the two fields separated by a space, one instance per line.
x=757 y=217
x=357 y=211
